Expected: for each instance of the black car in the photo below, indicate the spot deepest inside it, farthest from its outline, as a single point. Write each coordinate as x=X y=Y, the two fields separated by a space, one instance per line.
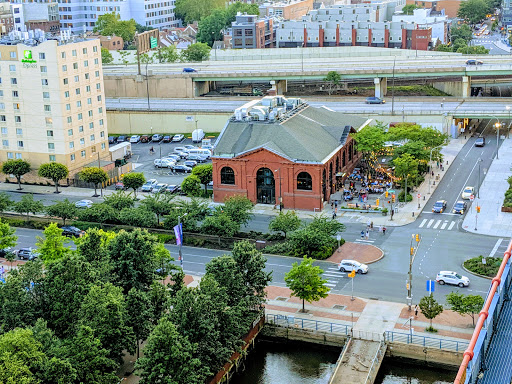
x=122 y=138
x=112 y=139
x=439 y=206
x=70 y=231
x=166 y=139
x=5 y=251
x=474 y=62
x=157 y=138
x=460 y=207
x=27 y=254
x=480 y=142
x=181 y=168
x=172 y=188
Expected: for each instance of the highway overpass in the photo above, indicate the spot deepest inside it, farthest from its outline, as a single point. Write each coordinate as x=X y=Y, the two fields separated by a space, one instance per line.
x=277 y=66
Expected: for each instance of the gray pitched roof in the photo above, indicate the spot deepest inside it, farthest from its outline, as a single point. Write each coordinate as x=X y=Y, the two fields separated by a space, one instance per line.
x=310 y=135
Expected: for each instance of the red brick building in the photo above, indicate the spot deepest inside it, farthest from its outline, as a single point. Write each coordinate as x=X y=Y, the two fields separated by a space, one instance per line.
x=303 y=156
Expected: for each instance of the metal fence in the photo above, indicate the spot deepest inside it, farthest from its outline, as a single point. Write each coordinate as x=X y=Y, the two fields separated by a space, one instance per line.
x=314 y=325
x=425 y=341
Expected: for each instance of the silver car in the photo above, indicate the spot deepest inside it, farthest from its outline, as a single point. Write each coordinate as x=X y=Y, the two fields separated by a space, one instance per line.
x=453 y=278
x=352 y=265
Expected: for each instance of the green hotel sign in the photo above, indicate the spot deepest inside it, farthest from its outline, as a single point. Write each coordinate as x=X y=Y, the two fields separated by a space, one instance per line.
x=27 y=57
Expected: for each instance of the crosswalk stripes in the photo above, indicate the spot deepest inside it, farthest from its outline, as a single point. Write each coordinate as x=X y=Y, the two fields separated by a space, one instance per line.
x=438 y=224
x=333 y=276
x=364 y=241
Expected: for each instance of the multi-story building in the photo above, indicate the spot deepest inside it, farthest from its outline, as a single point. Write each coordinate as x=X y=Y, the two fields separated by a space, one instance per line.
x=288 y=10
x=52 y=102
x=451 y=7
x=32 y=16
x=506 y=13
x=80 y=15
x=6 y=19
x=438 y=21
x=249 y=31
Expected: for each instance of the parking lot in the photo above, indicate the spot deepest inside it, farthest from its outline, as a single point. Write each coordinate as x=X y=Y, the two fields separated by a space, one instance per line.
x=142 y=160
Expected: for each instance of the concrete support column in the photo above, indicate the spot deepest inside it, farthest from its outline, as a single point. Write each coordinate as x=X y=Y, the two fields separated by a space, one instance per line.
x=381 y=86
x=279 y=87
x=466 y=86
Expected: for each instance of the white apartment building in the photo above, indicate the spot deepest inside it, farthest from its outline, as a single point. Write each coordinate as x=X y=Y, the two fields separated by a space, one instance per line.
x=52 y=103
x=438 y=21
x=80 y=15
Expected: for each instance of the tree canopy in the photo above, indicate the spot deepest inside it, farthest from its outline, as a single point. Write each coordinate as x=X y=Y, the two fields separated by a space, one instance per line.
x=94 y=175
x=134 y=181
x=196 y=52
x=473 y=10
x=16 y=167
x=111 y=24
x=54 y=172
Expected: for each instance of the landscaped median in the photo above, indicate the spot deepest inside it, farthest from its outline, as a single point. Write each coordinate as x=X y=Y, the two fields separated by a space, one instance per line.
x=486 y=267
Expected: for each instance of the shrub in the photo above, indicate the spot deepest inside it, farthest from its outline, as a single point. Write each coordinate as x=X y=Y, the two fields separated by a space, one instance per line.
x=401 y=196
x=165 y=238
x=489 y=269
x=84 y=225
x=137 y=217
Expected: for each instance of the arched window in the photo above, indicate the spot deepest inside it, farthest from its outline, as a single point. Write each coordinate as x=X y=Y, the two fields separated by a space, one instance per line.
x=304 y=181
x=227 y=176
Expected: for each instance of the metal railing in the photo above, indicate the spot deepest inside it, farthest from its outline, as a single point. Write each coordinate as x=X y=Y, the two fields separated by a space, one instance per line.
x=425 y=341
x=375 y=362
x=315 y=325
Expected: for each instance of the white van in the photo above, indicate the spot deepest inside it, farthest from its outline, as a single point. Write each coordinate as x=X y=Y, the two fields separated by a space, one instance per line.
x=200 y=151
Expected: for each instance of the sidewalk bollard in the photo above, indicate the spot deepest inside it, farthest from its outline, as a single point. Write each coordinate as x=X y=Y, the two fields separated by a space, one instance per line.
x=413 y=213
x=434 y=183
x=423 y=197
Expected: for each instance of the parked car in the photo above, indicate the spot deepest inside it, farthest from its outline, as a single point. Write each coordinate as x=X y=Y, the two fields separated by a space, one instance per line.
x=468 y=191
x=163 y=163
x=198 y=158
x=180 y=149
x=144 y=139
x=173 y=156
x=189 y=146
x=207 y=146
x=157 y=138
x=480 y=142
x=190 y=163
x=177 y=138
x=5 y=251
x=181 y=168
x=171 y=188
x=460 y=207
x=70 y=231
x=352 y=265
x=159 y=188
x=439 y=206
x=450 y=277
x=84 y=204
x=27 y=254
x=474 y=62
x=135 y=139
x=119 y=186
x=148 y=187
x=121 y=139
x=166 y=139
x=189 y=70
x=112 y=139
x=375 y=100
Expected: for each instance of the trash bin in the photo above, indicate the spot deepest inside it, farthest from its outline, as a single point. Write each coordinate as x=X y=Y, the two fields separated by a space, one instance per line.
x=260 y=244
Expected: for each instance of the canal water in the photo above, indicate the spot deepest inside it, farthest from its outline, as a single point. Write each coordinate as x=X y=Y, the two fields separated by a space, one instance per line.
x=303 y=363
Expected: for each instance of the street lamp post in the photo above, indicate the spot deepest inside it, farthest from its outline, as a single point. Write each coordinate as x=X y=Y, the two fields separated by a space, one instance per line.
x=430 y=173
x=147 y=85
x=181 y=240
x=478 y=186
x=280 y=194
x=497 y=125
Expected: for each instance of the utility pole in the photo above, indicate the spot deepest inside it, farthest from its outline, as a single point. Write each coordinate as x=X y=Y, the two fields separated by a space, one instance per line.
x=412 y=254
x=393 y=89
x=181 y=239
x=478 y=186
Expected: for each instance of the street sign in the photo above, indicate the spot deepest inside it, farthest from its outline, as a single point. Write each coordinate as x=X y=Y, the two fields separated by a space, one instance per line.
x=153 y=42
x=418 y=195
x=431 y=286
x=472 y=197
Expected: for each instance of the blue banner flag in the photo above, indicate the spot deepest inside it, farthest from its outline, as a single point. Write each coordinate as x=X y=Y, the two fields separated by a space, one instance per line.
x=178 y=232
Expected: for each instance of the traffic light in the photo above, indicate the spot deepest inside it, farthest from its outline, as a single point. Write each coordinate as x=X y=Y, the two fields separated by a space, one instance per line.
x=407 y=286
x=377 y=202
x=393 y=198
x=412 y=251
x=352 y=274
x=387 y=194
x=477 y=209
x=417 y=237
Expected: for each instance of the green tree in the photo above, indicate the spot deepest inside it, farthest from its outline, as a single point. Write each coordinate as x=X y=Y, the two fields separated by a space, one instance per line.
x=196 y=52
x=311 y=242
x=430 y=308
x=370 y=139
x=417 y=149
x=333 y=78
x=99 y=213
x=169 y=357
x=62 y=209
x=8 y=239
x=134 y=180
x=195 y=10
x=52 y=245
x=119 y=200
x=28 y=205
x=5 y=201
x=125 y=57
x=463 y=31
x=473 y=10
x=103 y=309
x=17 y=167
x=93 y=247
x=459 y=44
x=139 y=312
x=132 y=255
x=159 y=204
x=90 y=359
x=239 y=208
x=204 y=173
x=146 y=58
x=94 y=175
x=159 y=296
x=168 y=54
x=473 y=50
x=220 y=224
x=285 y=222
x=54 y=172
x=211 y=26
x=137 y=217
x=110 y=24
x=444 y=48
x=106 y=56
x=305 y=281
x=409 y=9
x=465 y=304
x=191 y=185
x=406 y=166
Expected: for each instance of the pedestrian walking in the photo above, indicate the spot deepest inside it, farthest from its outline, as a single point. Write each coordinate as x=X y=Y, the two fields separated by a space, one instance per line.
x=383 y=231
x=368 y=223
x=335 y=203
x=367 y=234
x=362 y=234
x=371 y=225
x=333 y=215
x=332 y=205
x=432 y=173
x=416 y=310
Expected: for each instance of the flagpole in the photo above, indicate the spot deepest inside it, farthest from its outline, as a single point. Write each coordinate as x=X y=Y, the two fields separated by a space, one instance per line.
x=181 y=240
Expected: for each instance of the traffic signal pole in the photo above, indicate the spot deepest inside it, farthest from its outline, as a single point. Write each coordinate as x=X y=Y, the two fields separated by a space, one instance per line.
x=412 y=256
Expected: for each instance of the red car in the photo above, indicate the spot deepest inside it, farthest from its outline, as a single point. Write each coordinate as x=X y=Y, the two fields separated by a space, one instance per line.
x=144 y=139
x=120 y=186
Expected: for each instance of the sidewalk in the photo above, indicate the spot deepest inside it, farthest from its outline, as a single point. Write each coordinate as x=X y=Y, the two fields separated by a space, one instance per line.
x=491 y=221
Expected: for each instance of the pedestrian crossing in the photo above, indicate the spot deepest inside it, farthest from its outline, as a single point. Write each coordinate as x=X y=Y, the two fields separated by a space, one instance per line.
x=333 y=276
x=441 y=224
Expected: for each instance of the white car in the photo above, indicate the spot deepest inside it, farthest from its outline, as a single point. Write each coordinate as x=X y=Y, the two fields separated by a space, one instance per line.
x=150 y=184
x=83 y=204
x=173 y=157
x=159 y=188
x=181 y=149
x=163 y=163
x=352 y=265
x=135 y=139
x=450 y=277
x=468 y=191
x=177 y=138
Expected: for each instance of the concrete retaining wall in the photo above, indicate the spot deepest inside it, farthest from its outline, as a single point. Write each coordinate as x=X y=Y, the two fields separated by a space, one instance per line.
x=298 y=334
x=429 y=355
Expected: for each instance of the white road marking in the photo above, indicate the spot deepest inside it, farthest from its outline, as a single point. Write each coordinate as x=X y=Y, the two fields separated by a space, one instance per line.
x=496 y=246
x=451 y=225
x=437 y=224
x=430 y=223
x=444 y=225
x=423 y=223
